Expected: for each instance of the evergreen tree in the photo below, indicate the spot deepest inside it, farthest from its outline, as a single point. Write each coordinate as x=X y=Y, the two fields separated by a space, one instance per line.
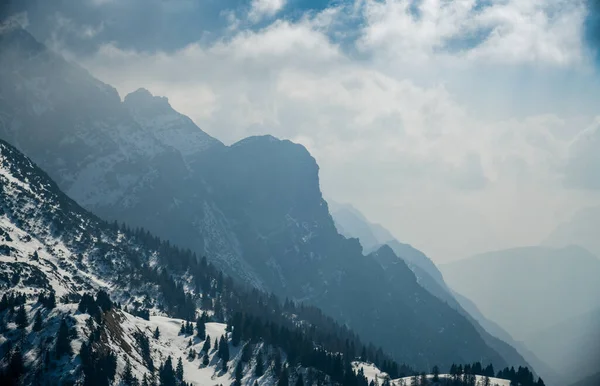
x=259 y=368
x=182 y=329
x=16 y=366
x=239 y=370
x=246 y=353
x=166 y=374
x=37 y=322
x=128 y=378
x=63 y=340
x=206 y=346
x=300 y=380
x=205 y=359
x=277 y=363
x=224 y=352
x=156 y=333
x=436 y=373
x=179 y=371
x=21 y=318
x=145 y=381
x=283 y=377
x=201 y=328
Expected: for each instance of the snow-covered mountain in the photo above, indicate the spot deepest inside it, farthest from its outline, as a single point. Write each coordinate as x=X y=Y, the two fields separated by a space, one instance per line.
x=60 y=266
x=254 y=209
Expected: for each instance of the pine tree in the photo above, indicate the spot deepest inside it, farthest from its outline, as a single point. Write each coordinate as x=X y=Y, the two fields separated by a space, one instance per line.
x=224 y=352
x=63 y=340
x=277 y=363
x=166 y=373
x=200 y=328
x=239 y=370
x=179 y=371
x=436 y=373
x=156 y=333
x=283 y=377
x=37 y=322
x=205 y=359
x=246 y=353
x=145 y=380
x=300 y=380
x=16 y=366
x=21 y=318
x=128 y=378
x=206 y=346
x=259 y=369
x=182 y=329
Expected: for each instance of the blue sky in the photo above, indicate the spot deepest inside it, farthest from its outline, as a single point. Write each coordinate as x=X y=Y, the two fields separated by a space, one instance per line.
x=462 y=126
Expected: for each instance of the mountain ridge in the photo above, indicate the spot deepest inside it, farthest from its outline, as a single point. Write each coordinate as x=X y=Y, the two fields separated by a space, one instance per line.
x=255 y=209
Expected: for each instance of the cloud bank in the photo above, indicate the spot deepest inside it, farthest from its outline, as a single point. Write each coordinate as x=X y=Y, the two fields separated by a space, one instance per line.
x=459 y=125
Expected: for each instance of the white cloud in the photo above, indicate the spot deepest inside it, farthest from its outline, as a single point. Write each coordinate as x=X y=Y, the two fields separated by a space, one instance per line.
x=260 y=9
x=406 y=151
x=511 y=31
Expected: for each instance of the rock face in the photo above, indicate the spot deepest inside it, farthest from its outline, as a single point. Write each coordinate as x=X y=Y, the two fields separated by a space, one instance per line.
x=254 y=208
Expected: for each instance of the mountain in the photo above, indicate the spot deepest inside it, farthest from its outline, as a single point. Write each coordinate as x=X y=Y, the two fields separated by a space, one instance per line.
x=86 y=302
x=254 y=208
x=593 y=380
x=529 y=292
x=545 y=284
x=571 y=346
x=579 y=230
x=353 y=224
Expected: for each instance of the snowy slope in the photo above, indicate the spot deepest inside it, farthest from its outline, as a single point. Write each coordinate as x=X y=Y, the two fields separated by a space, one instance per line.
x=374 y=374
x=51 y=246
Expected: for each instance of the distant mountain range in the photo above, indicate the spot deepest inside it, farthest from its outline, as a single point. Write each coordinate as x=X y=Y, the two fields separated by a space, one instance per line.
x=254 y=208
x=581 y=229
x=545 y=297
x=353 y=224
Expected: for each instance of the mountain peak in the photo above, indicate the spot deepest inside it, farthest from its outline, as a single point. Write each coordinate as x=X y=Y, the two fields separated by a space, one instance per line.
x=13 y=36
x=142 y=98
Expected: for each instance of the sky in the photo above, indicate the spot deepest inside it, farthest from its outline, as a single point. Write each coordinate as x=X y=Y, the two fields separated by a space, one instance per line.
x=462 y=126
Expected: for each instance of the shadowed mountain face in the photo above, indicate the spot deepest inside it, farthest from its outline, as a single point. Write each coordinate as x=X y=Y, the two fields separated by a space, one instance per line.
x=254 y=208
x=353 y=224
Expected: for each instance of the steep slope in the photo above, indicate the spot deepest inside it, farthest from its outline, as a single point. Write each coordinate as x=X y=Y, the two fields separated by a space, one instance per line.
x=254 y=208
x=545 y=285
x=50 y=248
x=356 y=225
x=351 y=223
x=298 y=252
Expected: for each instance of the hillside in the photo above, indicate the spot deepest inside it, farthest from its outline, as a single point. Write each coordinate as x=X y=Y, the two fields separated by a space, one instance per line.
x=254 y=209
x=55 y=255
x=353 y=224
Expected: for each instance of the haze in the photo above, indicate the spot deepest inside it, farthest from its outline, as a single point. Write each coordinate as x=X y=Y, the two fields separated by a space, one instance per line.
x=462 y=126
